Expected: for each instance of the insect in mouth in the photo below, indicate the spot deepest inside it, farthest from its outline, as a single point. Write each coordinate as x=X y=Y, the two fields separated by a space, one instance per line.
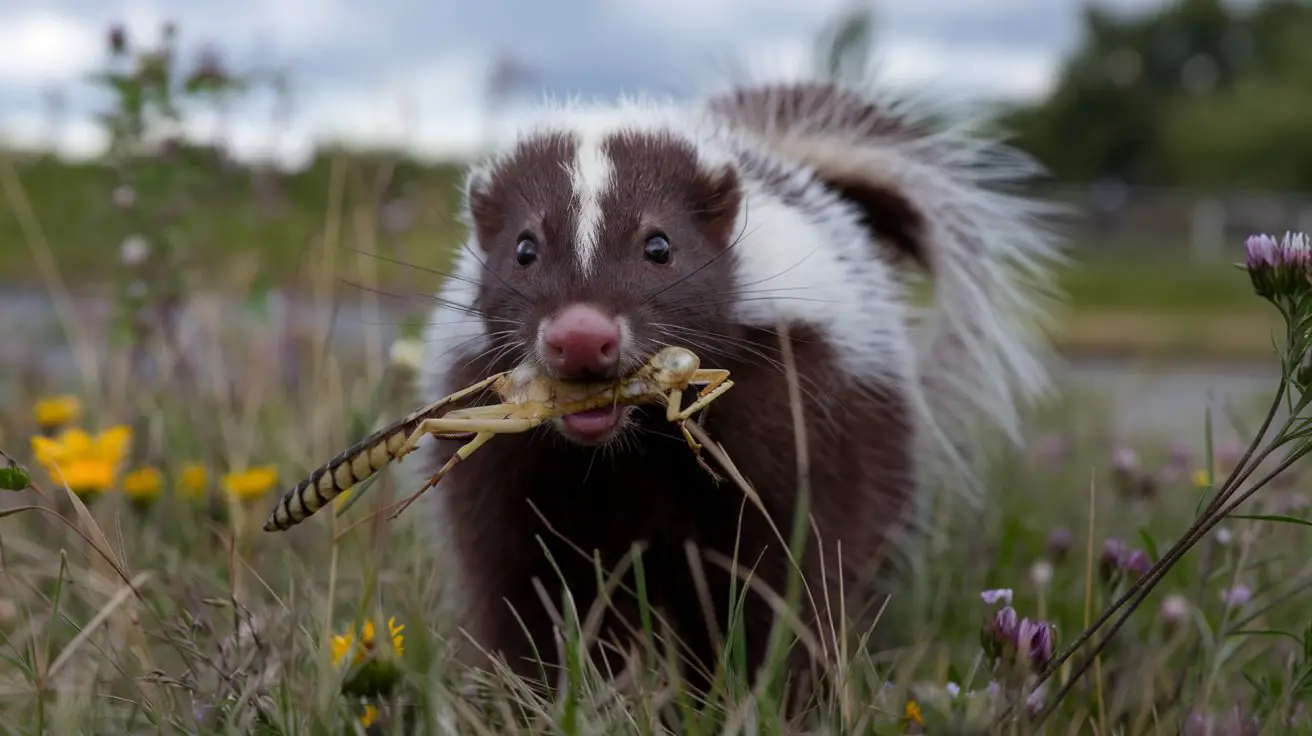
x=527 y=404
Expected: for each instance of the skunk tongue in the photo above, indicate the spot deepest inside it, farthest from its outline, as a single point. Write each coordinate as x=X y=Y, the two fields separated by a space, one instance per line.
x=593 y=422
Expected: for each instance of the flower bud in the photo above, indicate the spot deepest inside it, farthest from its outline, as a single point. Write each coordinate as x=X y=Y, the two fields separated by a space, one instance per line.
x=1113 y=553
x=1059 y=543
x=999 y=633
x=1034 y=641
x=1136 y=563
x=1174 y=610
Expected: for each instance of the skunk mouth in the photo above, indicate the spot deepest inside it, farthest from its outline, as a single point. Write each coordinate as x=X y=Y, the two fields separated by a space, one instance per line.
x=595 y=426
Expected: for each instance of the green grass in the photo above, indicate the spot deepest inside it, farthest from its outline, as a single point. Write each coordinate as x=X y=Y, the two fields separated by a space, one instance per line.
x=230 y=630
x=232 y=626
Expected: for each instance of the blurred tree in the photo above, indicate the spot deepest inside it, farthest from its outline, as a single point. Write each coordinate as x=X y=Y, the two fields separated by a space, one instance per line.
x=1159 y=97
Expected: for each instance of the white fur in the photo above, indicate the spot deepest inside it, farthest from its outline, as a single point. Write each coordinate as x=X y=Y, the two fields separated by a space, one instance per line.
x=980 y=352
x=590 y=176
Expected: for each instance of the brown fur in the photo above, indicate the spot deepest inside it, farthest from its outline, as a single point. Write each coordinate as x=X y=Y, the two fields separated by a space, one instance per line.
x=646 y=487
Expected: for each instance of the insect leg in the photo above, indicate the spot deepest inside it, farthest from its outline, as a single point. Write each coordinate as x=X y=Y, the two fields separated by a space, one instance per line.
x=485 y=429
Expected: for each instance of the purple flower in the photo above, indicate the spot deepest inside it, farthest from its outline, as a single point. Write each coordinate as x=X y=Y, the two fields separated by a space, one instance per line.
x=1051 y=447
x=1136 y=563
x=1261 y=251
x=1278 y=268
x=1236 y=596
x=999 y=633
x=1174 y=610
x=1034 y=702
x=1059 y=542
x=1034 y=641
x=1125 y=460
x=999 y=594
x=1229 y=454
x=1181 y=455
x=1113 y=552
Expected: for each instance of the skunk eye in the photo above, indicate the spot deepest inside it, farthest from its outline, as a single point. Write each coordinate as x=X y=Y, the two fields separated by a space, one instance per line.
x=527 y=250
x=657 y=250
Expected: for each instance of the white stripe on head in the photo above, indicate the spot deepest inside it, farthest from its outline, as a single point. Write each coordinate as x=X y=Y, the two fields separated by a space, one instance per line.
x=590 y=176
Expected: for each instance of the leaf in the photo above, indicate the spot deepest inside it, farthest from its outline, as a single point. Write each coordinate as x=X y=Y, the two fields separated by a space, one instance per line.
x=13 y=477
x=1278 y=518
x=1149 y=544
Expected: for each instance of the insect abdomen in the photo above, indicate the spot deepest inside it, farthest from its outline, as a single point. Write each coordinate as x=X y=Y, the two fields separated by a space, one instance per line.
x=353 y=466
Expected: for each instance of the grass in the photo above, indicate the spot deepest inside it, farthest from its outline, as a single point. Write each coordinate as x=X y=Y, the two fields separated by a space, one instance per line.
x=231 y=626
x=226 y=629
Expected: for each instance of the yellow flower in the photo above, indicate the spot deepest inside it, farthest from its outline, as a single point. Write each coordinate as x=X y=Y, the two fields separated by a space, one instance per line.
x=193 y=479
x=142 y=485
x=250 y=485
x=87 y=464
x=343 y=643
x=57 y=411
x=369 y=716
x=1200 y=478
x=913 y=713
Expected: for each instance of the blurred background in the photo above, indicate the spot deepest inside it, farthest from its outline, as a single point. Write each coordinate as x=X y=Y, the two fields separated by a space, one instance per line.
x=247 y=159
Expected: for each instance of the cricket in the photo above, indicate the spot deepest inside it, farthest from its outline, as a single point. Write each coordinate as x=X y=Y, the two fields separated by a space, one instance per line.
x=525 y=404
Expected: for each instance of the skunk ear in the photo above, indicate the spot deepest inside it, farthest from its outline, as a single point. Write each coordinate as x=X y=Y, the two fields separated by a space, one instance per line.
x=487 y=213
x=714 y=202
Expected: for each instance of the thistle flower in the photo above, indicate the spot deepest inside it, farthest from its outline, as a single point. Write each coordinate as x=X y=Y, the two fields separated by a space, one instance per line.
x=1113 y=553
x=1181 y=456
x=1229 y=453
x=1125 y=460
x=999 y=633
x=1136 y=563
x=55 y=412
x=1034 y=702
x=1278 y=269
x=1034 y=641
x=1236 y=596
x=1059 y=543
x=1174 y=610
x=993 y=596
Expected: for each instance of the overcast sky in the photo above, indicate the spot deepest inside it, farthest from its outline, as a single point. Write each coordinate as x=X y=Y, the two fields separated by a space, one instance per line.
x=413 y=73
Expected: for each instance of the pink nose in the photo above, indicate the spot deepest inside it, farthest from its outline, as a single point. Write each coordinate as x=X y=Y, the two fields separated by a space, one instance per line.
x=582 y=340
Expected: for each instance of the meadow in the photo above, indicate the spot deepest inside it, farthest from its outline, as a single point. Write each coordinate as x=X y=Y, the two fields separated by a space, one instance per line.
x=138 y=593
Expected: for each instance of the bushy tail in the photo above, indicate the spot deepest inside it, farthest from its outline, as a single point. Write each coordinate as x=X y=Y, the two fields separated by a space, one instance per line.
x=935 y=194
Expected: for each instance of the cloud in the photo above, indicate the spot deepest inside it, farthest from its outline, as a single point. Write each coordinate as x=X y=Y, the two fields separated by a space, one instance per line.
x=407 y=73
x=45 y=47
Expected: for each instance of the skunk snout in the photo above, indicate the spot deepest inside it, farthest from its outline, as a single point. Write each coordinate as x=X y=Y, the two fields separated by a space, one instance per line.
x=581 y=342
